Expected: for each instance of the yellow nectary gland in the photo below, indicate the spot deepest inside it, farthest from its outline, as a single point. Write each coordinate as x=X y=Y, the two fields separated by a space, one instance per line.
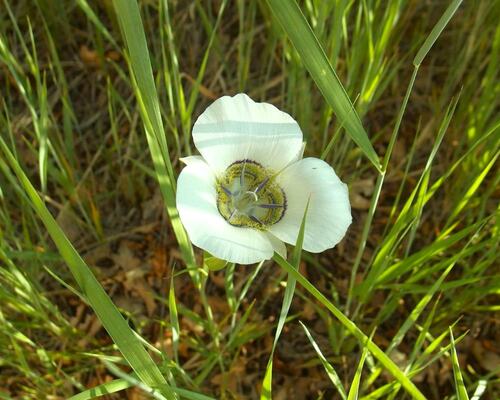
x=248 y=196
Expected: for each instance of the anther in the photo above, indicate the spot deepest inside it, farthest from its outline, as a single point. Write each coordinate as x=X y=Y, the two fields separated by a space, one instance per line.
x=261 y=185
x=226 y=190
x=255 y=219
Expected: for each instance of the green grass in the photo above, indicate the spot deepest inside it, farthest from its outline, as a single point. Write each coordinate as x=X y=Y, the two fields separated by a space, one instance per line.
x=101 y=292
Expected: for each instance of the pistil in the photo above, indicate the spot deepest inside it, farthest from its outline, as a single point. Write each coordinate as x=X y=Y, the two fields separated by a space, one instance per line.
x=247 y=196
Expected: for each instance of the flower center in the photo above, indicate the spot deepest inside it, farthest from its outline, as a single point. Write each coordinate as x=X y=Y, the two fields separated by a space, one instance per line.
x=247 y=196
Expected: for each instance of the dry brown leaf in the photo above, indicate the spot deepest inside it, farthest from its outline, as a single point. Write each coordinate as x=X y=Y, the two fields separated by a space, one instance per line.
x=281 y=394
x=399 y=152
x=113 y=55
x=308 y=312
x=303 y=269
x=89 y=57
x=153 y=208
x=131 y=305
x=74 y=321
x=191 y=326
x=134 y=282
x=445 y=372
x=91 y=326
x=488 y=360
x=67 y=221
x=358 y=202
x=363 y=187
x=360 y=193
x=125 y=258
x=98 y=253
x=218 y=279
x=229 y=380
x=159 y=262
x=218 y=305
x=206 y=92
x=146 y=295
x=137 y=394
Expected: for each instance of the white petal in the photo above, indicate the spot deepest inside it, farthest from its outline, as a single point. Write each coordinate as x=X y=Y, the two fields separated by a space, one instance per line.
x=278 y=245
x=190 y=159
x=196 y=202
x=237 y=128
x=329 y=213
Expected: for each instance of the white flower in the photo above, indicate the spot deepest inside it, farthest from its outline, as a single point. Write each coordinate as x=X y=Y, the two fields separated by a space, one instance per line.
x=247 y=192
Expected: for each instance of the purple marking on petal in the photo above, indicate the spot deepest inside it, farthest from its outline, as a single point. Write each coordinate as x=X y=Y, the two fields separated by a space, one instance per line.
x=273 y=206
x=246 y=161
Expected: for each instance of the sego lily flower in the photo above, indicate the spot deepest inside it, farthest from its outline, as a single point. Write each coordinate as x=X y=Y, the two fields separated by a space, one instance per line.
x=246 y=195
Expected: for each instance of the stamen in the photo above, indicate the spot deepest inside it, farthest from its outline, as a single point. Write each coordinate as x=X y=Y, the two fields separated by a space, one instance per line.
x=226 y=190
x=261 y=185
x=255 y=219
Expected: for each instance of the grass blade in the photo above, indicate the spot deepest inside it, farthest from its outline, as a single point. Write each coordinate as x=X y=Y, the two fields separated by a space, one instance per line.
x=102 y=390
x=376 y=194
x=287 y=301
x=128 y=15
x=457 y=375
x=354 y=390
x=436 y=31
x=112 y=320
x=91 y=15
x=353 y=329
x=174 y=320
x=299 y=31
x=330 y=371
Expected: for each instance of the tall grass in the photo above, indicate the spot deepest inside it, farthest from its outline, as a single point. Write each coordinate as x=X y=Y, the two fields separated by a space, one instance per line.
x=97 y=103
